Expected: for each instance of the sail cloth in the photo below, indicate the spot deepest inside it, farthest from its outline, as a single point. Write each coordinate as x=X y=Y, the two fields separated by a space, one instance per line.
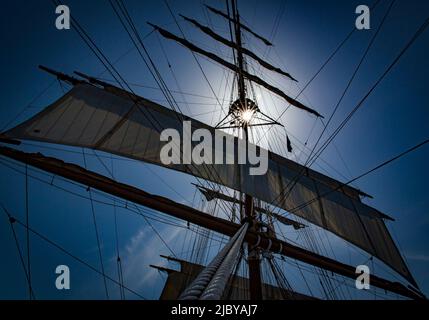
x=110 y=120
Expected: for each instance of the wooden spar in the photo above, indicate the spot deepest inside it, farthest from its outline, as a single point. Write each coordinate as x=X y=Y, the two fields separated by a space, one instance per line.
x=252 y=77
x=181 y=211
x=241 y=25
x=8 y=140
x=61 y=76
x=210 y=194
x=233 y=45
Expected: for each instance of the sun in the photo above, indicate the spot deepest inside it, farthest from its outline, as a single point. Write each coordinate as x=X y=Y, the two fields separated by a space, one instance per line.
x=247 y=115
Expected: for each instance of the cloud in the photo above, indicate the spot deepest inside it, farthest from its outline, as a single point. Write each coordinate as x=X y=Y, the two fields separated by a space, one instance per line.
x=141 y=250
x=144 y=249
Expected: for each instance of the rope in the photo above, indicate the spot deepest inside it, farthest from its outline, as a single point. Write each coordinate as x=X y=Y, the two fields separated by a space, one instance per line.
x=394 y=62
x=67 y=252
x=21 y=257
x=118 y=259
x=155 y=73
x=323 y=147
x=358 y=66
x=167 y=220
x=337 y=49
x=94 y=220
x=28 y=105
x=27 y=233
x=299 y=207
x=234 y=276
x=216 y=270
x=216 y=287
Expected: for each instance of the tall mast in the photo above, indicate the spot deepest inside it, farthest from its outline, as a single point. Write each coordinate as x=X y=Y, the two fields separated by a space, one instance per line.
x=254 y=259
x=94 y=180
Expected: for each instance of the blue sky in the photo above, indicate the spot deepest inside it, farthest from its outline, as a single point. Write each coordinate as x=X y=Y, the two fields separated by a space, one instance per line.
x=393 y=119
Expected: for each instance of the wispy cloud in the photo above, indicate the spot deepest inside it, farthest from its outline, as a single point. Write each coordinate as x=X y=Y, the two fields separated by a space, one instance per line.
x=144 y=249
x=141 y=250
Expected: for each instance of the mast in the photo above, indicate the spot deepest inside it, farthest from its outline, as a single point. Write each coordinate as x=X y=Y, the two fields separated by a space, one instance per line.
x=249 y=215
x=253 y=255
x=94 y=180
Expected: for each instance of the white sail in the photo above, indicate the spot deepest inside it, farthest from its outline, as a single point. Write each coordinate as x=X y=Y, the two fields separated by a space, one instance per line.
x=110 y=120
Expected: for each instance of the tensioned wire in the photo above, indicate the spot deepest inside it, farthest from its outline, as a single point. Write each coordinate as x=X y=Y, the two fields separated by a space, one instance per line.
x=83 y=34
x=54 y=244
x=165 y=219
x=128 y=18
x=407 y=46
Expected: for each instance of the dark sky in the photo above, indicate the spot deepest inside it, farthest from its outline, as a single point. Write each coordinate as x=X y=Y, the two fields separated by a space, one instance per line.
x=391 y=120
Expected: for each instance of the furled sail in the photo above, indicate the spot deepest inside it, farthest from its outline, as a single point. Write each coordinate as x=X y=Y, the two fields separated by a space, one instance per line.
x=111 y=120
x=212 y=194
x=234 y=68
x=233 y=45
x=218 y=12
